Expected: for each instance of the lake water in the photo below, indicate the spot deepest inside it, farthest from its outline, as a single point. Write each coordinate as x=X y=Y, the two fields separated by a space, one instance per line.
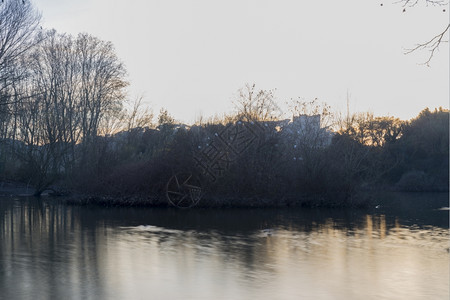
x=49 y=250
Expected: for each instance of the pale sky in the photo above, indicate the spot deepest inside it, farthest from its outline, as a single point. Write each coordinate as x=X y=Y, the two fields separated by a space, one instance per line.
x=191 y=56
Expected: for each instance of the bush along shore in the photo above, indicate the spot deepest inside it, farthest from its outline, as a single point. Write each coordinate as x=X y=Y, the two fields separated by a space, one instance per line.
x=253 y=164
x=277 y=163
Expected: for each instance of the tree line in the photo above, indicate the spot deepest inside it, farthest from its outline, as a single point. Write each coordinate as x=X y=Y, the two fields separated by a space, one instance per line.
x=280 y=162
x=66 y=124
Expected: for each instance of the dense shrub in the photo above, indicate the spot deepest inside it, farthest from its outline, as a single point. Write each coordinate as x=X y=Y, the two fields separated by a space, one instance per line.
x=415 y=181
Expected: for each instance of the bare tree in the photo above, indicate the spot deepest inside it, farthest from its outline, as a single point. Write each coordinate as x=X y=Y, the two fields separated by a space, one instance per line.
x=253 y=105
x=164 y=118
x=132 y=115
x=101 y=87
x=72 y=86
x=433 y=44
x=53 y=68
x=19 y=23
x=137 y=116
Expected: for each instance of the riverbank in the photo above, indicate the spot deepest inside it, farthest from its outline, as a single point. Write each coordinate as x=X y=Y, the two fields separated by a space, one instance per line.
x=18 y=189
x=358 y=201
x=12 y=188
x=362 y=199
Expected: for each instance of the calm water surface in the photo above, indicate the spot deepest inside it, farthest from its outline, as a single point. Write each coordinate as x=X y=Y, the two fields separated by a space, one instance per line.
x=49 y=250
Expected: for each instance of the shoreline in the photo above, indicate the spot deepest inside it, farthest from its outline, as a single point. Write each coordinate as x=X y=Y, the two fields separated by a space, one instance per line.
x=217 y=201
x=361 y=199
x=12 y=188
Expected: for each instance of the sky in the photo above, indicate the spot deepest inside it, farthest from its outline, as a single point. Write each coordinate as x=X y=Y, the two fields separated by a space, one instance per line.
x=191 y=56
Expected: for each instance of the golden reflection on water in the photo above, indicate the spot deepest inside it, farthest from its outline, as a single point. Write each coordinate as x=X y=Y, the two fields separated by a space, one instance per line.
x=56 y=252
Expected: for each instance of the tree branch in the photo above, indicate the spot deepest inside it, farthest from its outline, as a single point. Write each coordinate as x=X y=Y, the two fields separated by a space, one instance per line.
x=432 y=45
x=411 y=3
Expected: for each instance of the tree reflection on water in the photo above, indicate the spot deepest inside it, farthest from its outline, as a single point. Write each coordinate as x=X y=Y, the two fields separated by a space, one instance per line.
x=52 y=250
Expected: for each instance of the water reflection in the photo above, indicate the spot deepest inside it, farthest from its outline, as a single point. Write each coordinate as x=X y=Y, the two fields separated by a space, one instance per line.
x=50 y=250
